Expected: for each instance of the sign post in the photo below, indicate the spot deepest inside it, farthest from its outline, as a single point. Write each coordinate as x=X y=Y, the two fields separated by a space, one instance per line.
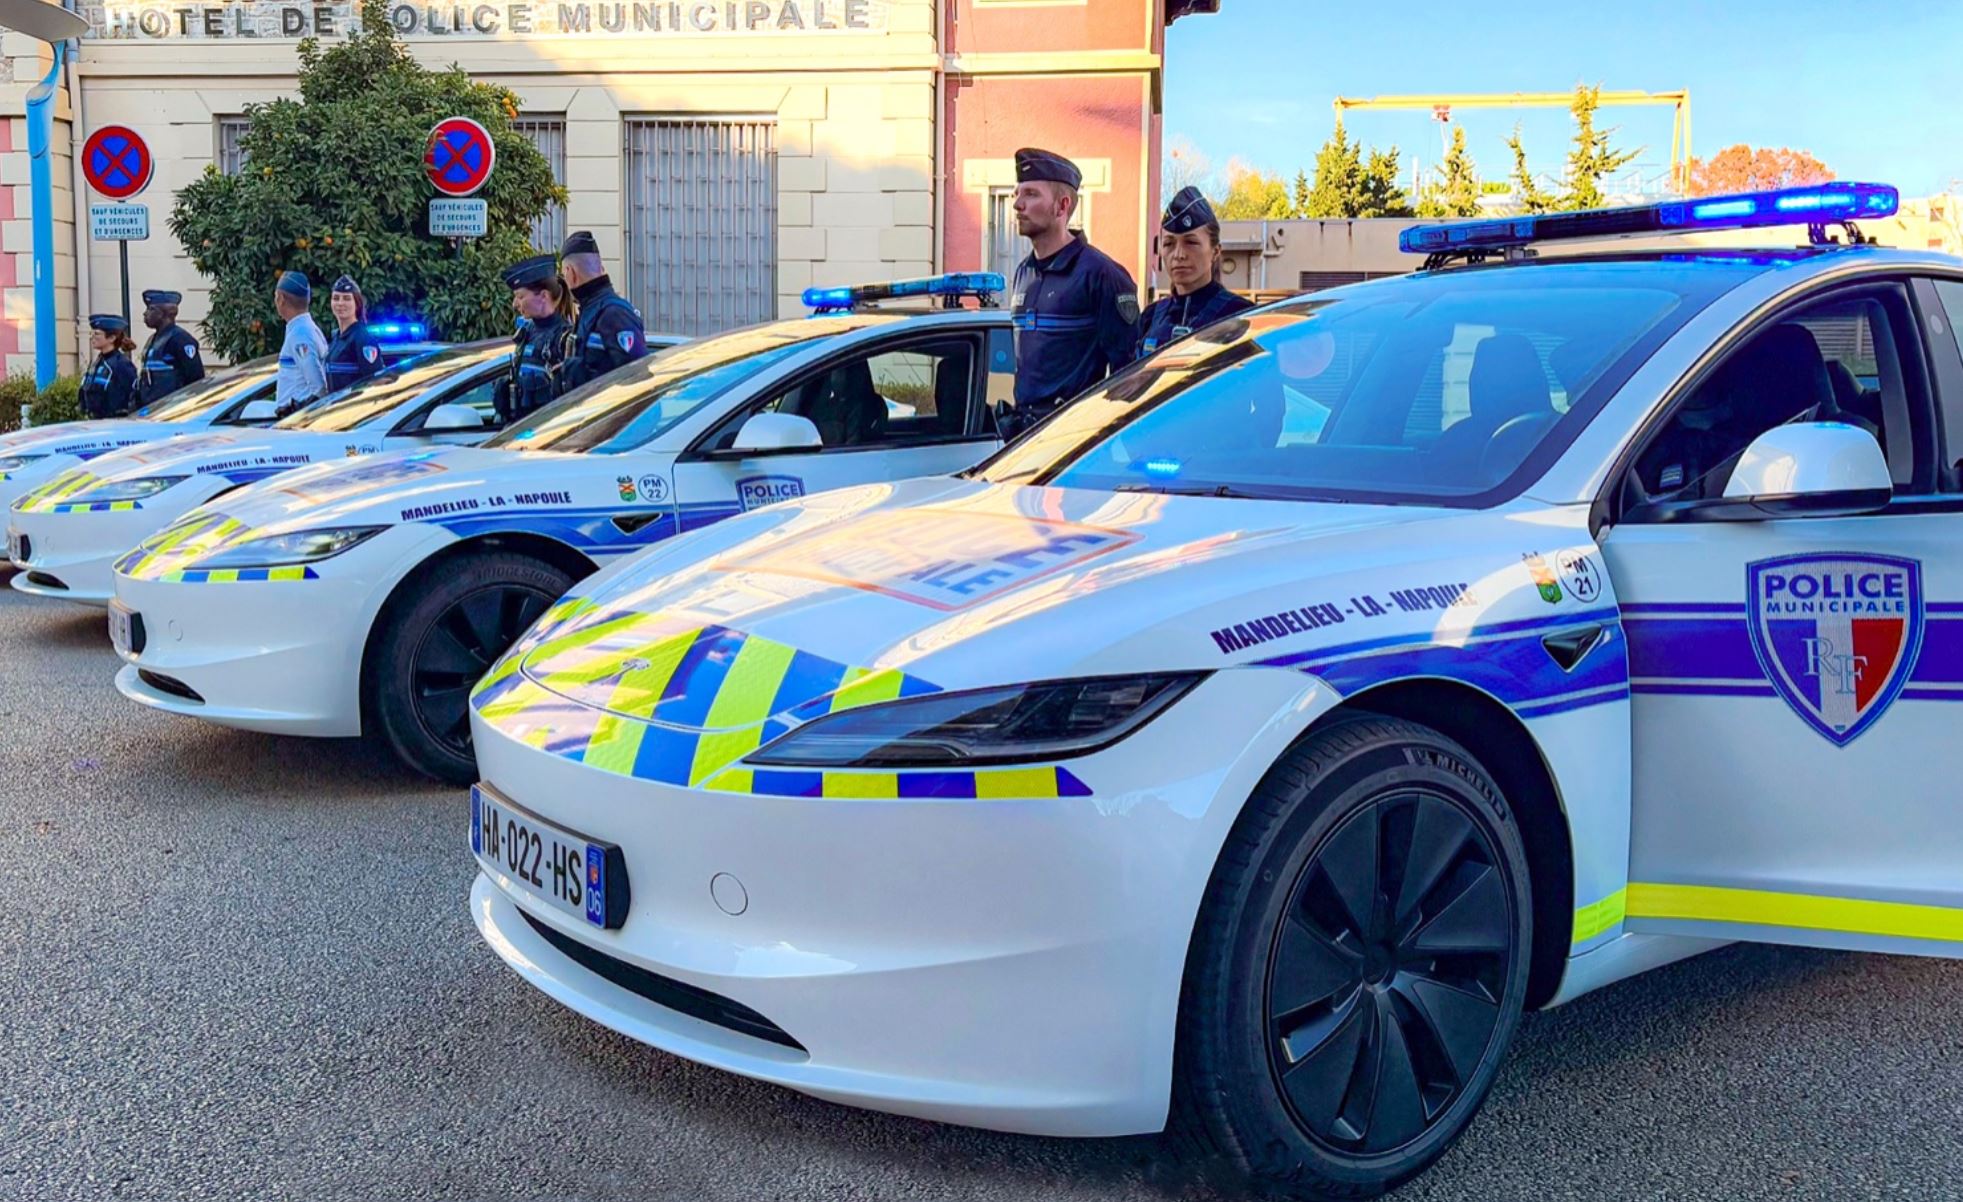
x=458 y=160
x=117 y=163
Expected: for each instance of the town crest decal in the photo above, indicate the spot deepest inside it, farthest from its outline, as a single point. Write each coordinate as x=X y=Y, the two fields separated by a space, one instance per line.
x=1837 y=635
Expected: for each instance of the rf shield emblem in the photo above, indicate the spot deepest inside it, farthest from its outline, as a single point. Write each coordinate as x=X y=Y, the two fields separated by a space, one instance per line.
x=1837 y=635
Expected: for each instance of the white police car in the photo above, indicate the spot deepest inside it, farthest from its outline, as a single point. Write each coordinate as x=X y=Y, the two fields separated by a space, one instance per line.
x=372 y=596
x=37 y=454
x=1191 y=760
x=66 y=535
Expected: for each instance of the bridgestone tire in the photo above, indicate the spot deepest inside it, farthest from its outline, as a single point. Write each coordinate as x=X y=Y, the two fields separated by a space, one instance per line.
x=514 y=589
x=1247 y=1097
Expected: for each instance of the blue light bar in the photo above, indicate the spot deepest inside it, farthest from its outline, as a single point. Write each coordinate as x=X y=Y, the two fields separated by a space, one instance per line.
x=1751 y=210
x=982 y=285
x=397 y=331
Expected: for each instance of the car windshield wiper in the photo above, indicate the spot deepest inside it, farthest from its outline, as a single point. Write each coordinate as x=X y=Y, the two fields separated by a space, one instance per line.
x=1213 y=490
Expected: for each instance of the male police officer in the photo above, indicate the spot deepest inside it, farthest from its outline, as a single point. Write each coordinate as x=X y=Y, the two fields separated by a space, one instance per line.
x=1076 y=311
x=170 y=357
x=1189 y=246
x=302 y=371
x=610 y=332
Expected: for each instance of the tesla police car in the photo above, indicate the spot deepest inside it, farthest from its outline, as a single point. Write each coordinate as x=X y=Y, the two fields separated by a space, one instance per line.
x=241 y=396
x=1252 y=742
x=67 y=534
x=370 y=597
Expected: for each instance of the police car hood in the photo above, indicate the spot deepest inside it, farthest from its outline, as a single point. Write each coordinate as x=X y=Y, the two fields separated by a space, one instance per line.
x=239 y=455
x=404 y=485
x=945 y=584
x=85 y=440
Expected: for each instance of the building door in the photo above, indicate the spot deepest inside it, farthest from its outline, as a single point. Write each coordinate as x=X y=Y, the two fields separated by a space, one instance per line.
x=702 y=223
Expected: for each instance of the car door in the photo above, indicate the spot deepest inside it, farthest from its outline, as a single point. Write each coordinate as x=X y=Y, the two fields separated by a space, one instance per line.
x=475 y=393
x=891 y=410
x=1797 y=681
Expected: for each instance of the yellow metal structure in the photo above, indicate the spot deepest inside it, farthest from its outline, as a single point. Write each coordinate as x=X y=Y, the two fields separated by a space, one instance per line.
x=1441 y=106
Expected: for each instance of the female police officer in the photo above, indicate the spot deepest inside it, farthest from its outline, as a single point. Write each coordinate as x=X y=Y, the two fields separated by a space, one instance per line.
x=351 y=354
x=1189 y=246
x=109 y=388
x=545 y=340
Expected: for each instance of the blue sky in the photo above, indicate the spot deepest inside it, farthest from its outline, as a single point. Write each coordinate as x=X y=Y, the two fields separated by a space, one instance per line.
x=1873 y=90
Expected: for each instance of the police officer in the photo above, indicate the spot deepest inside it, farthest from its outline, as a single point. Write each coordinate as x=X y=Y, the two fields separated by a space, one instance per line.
x=351 y=354
x=109 y=388
x=170 y=356
x=302 y=376
x=543 y=350
x=1189 y=246
x=1076 y=310
x=610 y=332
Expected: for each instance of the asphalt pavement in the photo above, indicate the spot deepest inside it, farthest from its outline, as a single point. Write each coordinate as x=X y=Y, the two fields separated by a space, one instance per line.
x=240 y=966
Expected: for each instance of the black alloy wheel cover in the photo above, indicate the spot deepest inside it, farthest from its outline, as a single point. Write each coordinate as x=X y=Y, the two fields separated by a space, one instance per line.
x=1388 y=971
x=456 y=651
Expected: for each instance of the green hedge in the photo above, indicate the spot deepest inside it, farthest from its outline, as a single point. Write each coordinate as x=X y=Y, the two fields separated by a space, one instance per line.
x=61 y=402
x=16 y=390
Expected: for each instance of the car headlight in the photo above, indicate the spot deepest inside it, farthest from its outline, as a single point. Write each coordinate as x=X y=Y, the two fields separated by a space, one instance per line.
x=1013 y=724
x=12 y=463
x=284 y=550
x=129 y=490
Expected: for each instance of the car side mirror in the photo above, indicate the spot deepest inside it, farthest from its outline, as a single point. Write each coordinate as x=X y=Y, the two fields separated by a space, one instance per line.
x=452 y=419
x=1811 y=469
x=259 y=411
x=776 y=434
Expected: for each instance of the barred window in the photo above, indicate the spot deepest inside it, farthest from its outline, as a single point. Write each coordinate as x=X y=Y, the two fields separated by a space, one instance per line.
x=231 y=152
x=548 y=133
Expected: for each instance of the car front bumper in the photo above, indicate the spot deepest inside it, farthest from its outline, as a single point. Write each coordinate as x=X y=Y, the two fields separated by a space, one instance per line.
x=1012 y=964
x=279 y=656
x=72 y=555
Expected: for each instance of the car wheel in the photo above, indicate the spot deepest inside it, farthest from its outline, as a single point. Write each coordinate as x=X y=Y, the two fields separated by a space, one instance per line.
x=437 y=639
x=1359 y=965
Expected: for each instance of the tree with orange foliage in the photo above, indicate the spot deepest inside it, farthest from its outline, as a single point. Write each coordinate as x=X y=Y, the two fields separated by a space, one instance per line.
x=1742 y=169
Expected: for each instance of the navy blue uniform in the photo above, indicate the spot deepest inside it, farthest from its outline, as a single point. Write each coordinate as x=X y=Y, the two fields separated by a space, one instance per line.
x=109 y=388
x=540 y=356
x=1174 y=316
x=610 y=332
x=351 y=356
x=170 y=361
x=1076 y=318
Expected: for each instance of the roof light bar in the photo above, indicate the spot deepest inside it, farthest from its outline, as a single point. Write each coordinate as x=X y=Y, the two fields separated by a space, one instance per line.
x=982 y=285
x=1814 y=204
x=397 y=331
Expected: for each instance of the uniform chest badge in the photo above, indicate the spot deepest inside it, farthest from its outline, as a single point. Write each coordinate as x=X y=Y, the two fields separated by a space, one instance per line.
x=1837 y=635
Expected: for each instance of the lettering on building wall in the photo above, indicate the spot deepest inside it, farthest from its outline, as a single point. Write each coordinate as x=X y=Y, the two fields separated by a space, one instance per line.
x=272 y=20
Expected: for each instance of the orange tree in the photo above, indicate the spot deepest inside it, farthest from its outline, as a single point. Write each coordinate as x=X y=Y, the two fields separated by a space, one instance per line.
x=333 y=183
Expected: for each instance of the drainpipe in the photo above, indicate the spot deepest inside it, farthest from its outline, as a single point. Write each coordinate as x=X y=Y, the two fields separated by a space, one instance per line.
x=40 y=137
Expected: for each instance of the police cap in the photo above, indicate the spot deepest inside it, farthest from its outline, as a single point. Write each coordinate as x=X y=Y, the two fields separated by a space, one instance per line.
x=295 y=285
x=580 y=242
x=346 y=284
x=108 y=323
x=1187 y=211
x=1033 y=164
x=534 y=272
x=159 y=297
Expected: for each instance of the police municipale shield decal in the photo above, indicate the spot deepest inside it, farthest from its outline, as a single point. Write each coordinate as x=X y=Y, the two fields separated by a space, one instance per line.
x=1837 y=635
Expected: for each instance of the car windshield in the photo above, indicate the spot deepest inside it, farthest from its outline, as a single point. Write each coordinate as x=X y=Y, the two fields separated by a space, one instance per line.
x=631 y=405
x=195 y=400
x=363 y=402
x=1441 y=388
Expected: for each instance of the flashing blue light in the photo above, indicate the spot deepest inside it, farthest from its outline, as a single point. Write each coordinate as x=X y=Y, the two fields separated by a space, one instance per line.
x=397 y=331
x=982 y=285
x=1783 y=206
x=1163 y=467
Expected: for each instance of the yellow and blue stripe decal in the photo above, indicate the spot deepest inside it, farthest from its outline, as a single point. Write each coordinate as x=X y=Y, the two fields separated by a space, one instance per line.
x=57 y=490
x=237 y=575
x=94 y=507
x=637 y=695
x=172 y=551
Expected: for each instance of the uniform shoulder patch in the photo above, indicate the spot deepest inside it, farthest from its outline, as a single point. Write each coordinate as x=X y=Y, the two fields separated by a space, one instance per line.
x=1128 y=308
x=626 y=339
x=370 y=353
x=190 y=348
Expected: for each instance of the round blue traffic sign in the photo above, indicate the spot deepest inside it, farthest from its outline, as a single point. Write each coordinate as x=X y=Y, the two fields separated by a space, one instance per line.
x=459 y=157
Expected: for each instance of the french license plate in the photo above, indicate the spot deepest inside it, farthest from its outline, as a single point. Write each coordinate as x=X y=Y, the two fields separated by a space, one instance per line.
x=13 y=543
x=119 y=627
x=581 y=876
